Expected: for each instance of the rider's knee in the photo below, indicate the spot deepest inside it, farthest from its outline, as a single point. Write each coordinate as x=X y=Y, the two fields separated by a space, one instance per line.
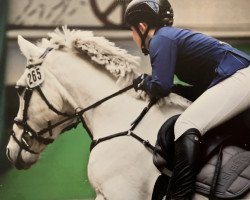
x=183 y=124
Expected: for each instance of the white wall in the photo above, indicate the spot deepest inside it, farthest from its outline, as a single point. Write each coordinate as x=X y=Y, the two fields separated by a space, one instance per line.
x=228 y=15
x=212 y=13
x=61 y=12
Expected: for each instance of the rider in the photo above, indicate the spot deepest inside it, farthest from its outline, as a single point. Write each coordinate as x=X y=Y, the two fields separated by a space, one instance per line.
x=219 y=72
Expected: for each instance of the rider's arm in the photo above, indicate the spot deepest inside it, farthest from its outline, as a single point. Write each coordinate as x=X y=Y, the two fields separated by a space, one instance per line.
x=163 y=52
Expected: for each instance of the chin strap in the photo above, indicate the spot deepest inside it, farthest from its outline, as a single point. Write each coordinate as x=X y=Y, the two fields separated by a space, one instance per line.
x=143 y=37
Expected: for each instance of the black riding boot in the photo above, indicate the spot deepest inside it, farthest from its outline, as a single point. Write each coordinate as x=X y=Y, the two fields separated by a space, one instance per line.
x=186 y=164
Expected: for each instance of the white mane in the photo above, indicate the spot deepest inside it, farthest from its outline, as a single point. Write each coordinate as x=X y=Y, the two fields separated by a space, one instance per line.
x=103 y=53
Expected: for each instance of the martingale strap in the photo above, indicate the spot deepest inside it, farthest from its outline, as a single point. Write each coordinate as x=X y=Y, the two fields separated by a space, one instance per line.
x=146 y=143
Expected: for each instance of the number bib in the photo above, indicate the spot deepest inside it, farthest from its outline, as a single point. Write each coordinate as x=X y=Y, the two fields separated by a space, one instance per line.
x=34 y=76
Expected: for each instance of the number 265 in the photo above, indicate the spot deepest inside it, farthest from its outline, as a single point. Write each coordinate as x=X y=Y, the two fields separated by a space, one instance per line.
x=34 y=75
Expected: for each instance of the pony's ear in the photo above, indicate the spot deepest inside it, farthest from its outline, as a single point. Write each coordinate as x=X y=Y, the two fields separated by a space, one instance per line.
x=28 y=49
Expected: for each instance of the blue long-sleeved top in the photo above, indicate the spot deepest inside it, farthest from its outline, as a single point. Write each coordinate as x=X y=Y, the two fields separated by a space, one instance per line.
x=197 y=59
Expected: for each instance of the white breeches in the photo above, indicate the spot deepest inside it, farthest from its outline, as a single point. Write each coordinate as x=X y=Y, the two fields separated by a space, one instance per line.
x=217 y=104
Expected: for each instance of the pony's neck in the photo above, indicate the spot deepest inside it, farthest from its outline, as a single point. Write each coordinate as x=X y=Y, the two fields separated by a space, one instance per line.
x=88 y=84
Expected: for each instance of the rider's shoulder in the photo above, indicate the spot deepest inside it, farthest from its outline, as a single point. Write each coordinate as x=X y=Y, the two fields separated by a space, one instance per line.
x=171 y=33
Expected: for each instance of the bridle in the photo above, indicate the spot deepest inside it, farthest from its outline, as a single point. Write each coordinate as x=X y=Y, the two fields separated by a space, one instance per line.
x=30 y=133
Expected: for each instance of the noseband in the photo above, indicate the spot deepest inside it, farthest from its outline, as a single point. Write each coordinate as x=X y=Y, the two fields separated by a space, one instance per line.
x=29 y=132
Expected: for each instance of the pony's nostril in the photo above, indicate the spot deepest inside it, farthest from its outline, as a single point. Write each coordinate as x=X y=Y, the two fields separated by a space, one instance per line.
x=8 y=154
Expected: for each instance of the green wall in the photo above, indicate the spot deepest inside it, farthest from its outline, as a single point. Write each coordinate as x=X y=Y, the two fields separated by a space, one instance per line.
x=243 y=47
x=60 y=174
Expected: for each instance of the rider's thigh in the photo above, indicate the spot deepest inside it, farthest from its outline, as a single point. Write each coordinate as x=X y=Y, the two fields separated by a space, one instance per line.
x=217 y=105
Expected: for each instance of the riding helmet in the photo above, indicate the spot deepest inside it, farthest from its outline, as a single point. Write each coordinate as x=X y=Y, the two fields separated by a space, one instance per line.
x=156 y=13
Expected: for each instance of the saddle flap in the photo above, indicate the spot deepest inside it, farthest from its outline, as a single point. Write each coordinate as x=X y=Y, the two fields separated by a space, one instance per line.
x=234 y=178
x=163 y=155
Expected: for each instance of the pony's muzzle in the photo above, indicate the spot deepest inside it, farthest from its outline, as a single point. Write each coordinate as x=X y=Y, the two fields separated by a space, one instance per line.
x=8 y=154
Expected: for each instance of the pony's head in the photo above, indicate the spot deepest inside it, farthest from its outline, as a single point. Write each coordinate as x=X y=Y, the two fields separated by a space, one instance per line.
x=49 y=92
x=42 y=104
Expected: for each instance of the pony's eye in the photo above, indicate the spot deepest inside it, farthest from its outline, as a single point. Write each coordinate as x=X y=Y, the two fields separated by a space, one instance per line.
x=20 y=89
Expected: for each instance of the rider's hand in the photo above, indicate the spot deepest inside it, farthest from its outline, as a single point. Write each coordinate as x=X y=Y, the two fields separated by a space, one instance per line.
x=138 y=82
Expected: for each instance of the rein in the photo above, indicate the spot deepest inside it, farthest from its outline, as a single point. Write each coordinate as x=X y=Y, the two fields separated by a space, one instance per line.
x=31 y=133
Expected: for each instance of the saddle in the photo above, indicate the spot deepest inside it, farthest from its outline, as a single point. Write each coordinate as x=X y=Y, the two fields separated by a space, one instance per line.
x=225 y=165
